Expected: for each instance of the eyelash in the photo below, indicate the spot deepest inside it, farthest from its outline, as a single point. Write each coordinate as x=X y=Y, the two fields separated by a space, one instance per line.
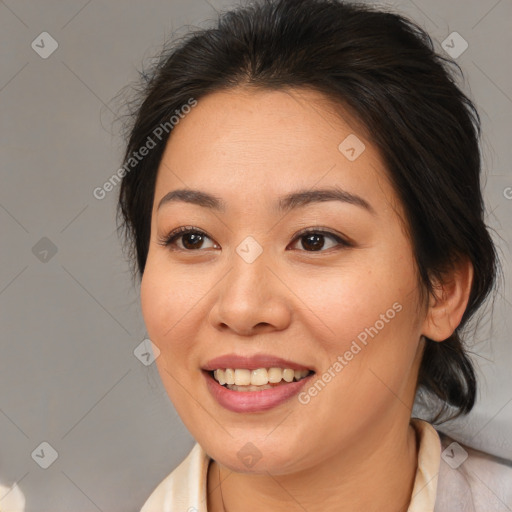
x=169 y=239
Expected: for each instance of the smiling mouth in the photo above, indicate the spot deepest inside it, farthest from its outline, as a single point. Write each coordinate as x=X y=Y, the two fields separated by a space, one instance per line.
x=242 y=379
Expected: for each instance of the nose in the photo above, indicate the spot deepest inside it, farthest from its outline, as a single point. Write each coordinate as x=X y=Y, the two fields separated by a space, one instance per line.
x=252 y=299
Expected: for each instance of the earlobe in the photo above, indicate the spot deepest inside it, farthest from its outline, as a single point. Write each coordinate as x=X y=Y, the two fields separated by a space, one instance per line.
x=447 y=307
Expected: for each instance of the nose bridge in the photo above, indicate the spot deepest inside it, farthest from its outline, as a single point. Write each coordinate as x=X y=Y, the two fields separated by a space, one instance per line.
x=251 y=294
x=249 y=274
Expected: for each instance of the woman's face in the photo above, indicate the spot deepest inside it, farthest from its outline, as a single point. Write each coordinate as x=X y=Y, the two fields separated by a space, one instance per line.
x=341 y=301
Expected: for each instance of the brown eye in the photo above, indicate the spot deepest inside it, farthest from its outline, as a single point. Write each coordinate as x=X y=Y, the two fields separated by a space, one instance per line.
x=315 y=241
x=191 y=239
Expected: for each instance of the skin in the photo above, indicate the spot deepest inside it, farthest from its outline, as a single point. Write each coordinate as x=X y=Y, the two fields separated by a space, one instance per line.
x=351 y=444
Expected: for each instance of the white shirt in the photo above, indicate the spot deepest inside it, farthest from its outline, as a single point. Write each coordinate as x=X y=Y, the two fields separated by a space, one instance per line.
x=11 y=499
x=481 y=483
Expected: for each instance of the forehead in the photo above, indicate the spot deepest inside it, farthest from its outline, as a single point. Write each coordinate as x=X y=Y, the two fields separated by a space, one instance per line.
x=248 y=145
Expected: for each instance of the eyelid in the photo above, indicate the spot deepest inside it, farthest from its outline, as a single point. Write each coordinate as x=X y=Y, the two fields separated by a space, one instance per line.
x=168 y=240
x=321 y=230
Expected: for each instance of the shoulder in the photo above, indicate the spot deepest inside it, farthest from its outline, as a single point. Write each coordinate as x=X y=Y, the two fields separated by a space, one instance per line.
x=471 y=480
x=184 y=488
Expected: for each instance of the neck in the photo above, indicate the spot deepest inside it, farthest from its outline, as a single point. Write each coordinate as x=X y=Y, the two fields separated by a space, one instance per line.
x=377 y=473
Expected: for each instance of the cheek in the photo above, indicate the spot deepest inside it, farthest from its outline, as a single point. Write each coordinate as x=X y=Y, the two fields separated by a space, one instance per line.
x=173 y=307
x=347 y=301
x=165 y=305
x=154 y=302
x=165 y=302
x=167 y=294
x=367 y=314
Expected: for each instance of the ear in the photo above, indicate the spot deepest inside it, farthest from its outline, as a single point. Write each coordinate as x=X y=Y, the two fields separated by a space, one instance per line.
x=449 y=303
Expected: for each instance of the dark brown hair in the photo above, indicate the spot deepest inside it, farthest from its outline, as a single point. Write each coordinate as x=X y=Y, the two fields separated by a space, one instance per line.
x=384 y=69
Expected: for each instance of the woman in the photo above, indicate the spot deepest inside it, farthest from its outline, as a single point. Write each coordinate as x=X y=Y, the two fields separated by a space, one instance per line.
x=301 y=196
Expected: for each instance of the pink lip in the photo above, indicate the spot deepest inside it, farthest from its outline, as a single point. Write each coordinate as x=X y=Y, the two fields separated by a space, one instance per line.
x=251 y=363
x=253 y=401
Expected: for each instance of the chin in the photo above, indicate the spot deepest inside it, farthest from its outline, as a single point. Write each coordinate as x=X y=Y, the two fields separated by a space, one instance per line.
x=253 y=456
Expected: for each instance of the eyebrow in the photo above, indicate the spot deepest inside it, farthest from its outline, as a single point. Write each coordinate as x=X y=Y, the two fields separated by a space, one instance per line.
x=286 y=203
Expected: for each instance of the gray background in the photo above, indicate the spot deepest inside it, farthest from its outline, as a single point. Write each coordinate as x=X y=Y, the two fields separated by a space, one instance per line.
x=70 y=321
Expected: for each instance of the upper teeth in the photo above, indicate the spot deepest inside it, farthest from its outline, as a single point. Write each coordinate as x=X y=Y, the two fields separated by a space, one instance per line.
x=259 y=377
